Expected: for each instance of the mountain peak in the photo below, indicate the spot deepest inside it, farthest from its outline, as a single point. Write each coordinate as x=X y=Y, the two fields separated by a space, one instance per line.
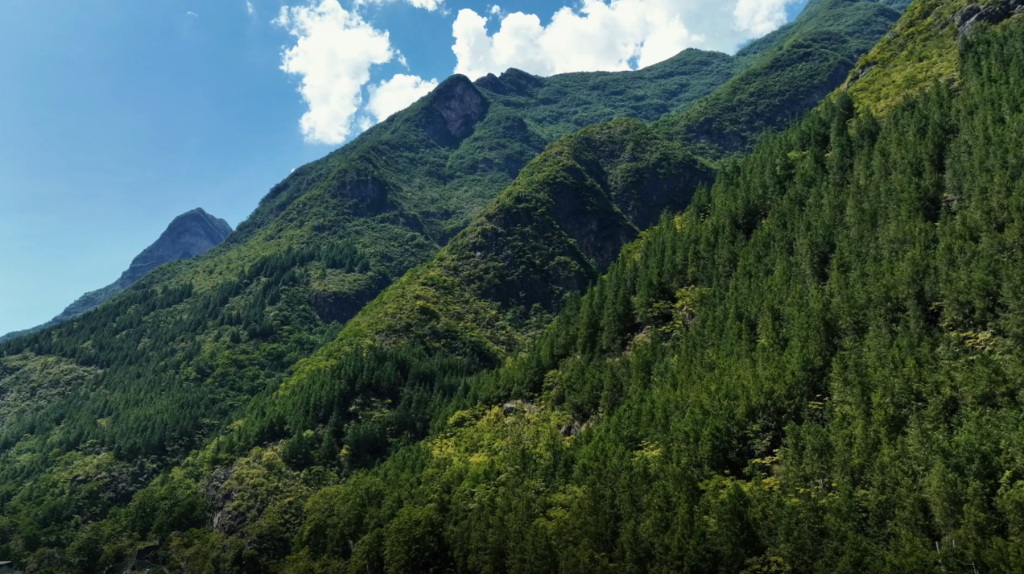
x=511 y=81
x=456 y=107
x=190 y=234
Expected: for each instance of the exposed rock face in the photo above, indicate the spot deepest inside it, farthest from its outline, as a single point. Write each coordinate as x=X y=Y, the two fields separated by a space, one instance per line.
x=969 y=16
x=859 y=74
x=190 y=234
x=367 y=197
x=455 y=107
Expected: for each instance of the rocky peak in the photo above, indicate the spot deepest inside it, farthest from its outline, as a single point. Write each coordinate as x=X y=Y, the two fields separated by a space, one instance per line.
x=512 y=81
x=454 y=108
x=190 y=234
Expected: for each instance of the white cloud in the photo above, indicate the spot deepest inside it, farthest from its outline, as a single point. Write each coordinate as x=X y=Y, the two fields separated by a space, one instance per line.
x=333 y=53
x=760 y=16
x=609 y=34
x=429 y=5
x=396 y=94
x=192 y=14
x=496 y=10
x=249 y=8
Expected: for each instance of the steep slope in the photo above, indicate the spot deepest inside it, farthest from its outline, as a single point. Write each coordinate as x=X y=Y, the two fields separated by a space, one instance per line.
x=400 y=191
x=440 y=176
x=921 y=50
x=802 y=63
x=197 y=344
x=182 y=352
x=235 y=320
x=190 y=234
x=816 y=368
x=547 y=237
x=322 y=244
x=564 y=103
x=28 y=383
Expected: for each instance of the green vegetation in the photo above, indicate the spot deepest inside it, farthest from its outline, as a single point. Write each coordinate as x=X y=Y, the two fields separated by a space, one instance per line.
x=29 y=383
x=920 y=50
x=545 y=239
x=216 y=410
x=785 y=74
x=190 y=234
x=816 y=368
x=562 y=104
x=184 y=349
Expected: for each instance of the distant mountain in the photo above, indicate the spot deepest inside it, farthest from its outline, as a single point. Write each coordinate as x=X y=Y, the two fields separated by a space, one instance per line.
x=190 y=234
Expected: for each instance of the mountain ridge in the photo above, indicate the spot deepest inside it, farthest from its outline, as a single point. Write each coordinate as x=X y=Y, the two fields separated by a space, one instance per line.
x=190 y=234
x=814 y=368
x=231 y=377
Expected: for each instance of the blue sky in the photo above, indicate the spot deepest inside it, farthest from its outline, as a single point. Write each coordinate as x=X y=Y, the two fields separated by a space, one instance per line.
x=117 y=115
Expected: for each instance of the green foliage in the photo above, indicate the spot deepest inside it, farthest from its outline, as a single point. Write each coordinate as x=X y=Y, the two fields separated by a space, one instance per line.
x=548 y=236
x=563 y=104
x=188 y=235
x=920 y=50
x=167 y=365
x=815 y=368
x=28 y=383
x=815 y=53
x=413 y=542
x=408 y=185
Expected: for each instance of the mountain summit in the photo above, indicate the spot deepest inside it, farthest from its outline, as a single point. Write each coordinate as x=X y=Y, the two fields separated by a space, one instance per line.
x=190 y=234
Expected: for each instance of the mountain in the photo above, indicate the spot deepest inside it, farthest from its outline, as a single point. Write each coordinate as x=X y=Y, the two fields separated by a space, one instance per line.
x=547 y=237
x=815 y=52
x=347 y=322
x=921 y=50
x=814 y=368
x=189 y=235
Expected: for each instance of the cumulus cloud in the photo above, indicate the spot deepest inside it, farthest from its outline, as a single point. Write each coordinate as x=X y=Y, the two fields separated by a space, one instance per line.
x=249 y=8
x=396 y=94
x=192 y=14
x=334 y=53
x=760 y=16
x=608 y=34
x=430 y=5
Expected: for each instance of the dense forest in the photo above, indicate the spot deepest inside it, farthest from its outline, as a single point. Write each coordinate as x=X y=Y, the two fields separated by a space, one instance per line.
x=812 y=369
x=662 y=347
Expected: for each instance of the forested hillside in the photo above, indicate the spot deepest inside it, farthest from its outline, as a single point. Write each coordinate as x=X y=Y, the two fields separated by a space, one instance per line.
x=242 y=353
x=806 y=60
x=815 y=368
